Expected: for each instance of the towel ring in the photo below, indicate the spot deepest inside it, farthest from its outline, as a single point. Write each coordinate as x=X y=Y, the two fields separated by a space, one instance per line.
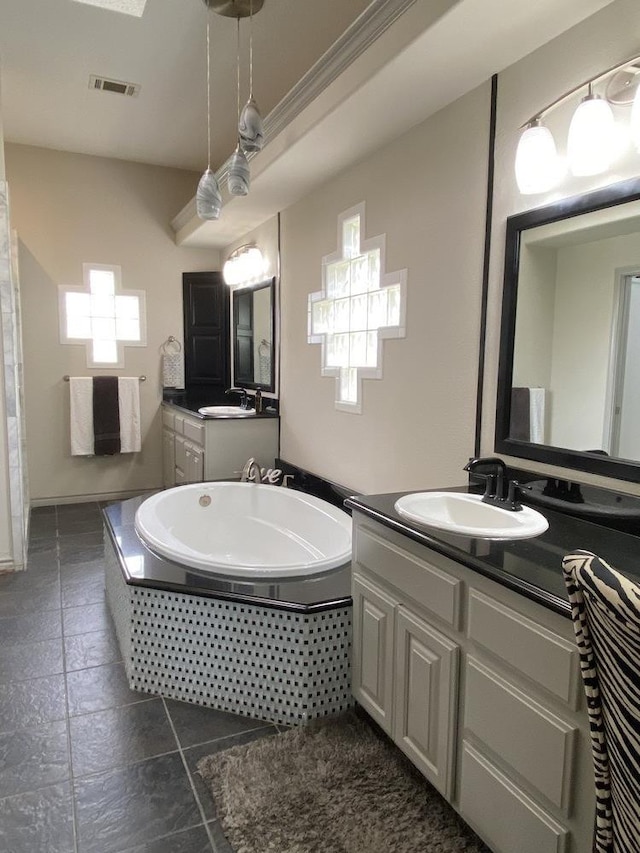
x=171 y=341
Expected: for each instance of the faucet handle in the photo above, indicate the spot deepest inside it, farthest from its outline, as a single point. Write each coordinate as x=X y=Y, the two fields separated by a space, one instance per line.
x=514 y=493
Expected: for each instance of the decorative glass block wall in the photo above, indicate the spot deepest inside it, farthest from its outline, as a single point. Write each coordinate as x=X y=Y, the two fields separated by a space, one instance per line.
x=359 y=306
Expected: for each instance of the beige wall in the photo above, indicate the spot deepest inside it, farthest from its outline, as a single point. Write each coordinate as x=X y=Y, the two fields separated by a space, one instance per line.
x=596 y=44
x=426 y=191
x=68 y=210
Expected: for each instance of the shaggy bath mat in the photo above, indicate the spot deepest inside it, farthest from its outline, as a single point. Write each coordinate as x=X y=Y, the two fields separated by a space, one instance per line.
x=332 y=787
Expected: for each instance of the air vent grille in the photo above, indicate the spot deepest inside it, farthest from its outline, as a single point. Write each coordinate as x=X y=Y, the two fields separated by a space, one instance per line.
x=118 y=87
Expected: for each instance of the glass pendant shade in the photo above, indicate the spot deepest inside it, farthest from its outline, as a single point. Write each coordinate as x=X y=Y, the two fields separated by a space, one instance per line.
x=250 y=127
x=537 y=163
x=208 y=198
x=635 y=119
x=238 y=177
x=591 y=144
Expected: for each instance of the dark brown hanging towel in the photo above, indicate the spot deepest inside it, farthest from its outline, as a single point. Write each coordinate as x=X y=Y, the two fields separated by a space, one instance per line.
x=106 y=416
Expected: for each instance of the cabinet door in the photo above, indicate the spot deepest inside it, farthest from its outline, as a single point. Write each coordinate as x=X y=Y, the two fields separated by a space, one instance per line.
x=168 y=459
x=372 y=660
x=195 y=464
x=424 y=728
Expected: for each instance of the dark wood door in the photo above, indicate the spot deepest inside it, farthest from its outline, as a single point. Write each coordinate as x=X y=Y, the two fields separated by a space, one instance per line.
x=206 y=330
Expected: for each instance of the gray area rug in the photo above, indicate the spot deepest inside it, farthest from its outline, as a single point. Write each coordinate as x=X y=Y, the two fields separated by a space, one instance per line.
x=336 y=786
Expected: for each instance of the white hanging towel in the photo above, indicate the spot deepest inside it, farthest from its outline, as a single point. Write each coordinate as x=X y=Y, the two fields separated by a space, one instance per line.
x=129 y=404
x=81 y=399
x=536 y=413
x=81 y=415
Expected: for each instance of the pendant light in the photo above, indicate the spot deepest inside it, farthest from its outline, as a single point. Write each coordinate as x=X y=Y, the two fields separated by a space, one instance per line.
x=591 y=140
x=537 y=163
x=238 y=176
x=250 y=126
x=208 y=198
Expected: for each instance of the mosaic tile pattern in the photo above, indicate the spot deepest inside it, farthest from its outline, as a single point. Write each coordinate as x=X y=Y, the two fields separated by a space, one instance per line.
x=264 y=663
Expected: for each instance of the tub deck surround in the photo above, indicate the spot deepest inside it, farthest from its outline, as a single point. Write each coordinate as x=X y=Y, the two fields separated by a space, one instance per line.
x=532 y=566
x=277 y=651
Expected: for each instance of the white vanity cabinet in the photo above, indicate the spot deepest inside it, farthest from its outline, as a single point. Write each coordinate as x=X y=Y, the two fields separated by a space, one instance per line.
x=196 y=449
x=480 y=688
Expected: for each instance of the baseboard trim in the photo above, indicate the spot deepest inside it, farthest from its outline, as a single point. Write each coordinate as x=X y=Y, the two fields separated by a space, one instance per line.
x=79 y=499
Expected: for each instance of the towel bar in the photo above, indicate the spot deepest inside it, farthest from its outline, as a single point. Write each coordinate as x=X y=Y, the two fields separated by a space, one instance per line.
x=66 y=378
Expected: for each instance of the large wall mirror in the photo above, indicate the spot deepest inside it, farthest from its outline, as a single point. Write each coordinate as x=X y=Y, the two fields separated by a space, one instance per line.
x=253 y=336
x=569 y=375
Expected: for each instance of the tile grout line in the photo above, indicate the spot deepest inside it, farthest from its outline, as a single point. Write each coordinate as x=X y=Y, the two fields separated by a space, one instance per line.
x=191 y=785
x=74 y=817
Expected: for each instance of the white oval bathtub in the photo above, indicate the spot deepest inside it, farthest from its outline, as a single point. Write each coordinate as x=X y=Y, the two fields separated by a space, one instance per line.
x=245 y=530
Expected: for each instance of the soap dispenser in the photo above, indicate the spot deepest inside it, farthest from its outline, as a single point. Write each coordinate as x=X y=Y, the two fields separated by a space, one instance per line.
x=258 y=401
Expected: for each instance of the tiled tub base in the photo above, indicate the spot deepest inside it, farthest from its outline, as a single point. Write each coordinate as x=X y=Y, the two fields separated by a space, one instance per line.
x=261 y=662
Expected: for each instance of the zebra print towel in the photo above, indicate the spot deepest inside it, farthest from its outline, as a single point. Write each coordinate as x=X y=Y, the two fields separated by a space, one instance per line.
x=605 y=608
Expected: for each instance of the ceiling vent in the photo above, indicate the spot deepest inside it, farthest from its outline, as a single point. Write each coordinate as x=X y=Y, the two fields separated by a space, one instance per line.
x=119 y=87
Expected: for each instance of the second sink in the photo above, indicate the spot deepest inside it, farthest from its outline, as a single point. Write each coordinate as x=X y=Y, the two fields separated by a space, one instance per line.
x=226 y=412
x=465 y=514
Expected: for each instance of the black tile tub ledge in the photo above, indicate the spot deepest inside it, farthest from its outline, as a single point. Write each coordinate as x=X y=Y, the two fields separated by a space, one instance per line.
x=531 y=566
x=141 y=567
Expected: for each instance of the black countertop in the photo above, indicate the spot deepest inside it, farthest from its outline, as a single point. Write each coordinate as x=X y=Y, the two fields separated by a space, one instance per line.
x=141 y=567
x=189 y=403
x=532 y=566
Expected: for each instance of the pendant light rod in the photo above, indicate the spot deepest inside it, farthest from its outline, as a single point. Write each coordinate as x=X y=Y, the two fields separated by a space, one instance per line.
x=238 y=69
x=250 y=49
x=590 y=82
x=208 y=93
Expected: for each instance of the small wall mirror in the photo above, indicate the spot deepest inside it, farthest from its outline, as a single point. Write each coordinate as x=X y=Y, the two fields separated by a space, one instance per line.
x=569 y=375
x=253 y=336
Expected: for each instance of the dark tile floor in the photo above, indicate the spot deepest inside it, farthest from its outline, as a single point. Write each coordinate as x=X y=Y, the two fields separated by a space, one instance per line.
x=87 y=765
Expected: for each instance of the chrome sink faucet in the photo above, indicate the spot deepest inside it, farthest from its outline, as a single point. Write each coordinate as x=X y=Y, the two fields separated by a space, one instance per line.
x=244 y=397
x=499 y=490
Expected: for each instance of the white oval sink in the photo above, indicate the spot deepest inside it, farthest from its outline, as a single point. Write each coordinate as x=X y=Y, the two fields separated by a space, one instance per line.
x=226 y=412
x=466 y=514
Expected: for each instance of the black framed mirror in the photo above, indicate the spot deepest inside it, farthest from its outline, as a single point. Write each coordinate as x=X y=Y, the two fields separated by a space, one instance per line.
x=569 y=371
x=253 y=336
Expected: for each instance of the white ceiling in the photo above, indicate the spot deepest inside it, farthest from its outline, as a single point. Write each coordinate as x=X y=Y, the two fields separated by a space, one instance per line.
x=427 y=57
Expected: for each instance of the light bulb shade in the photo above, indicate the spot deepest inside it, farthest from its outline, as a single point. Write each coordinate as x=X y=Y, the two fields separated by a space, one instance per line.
x=208 y=198
x=238 y=176
x=244 y=265
x=591 y=144
x=635 y=119
x=537 y=162
x=250 y=127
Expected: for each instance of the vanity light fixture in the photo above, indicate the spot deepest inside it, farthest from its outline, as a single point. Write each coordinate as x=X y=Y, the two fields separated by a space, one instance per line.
x=245 y=265
x=592 y=144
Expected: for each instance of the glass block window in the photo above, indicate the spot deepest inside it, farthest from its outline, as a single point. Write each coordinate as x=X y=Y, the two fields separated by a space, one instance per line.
x=358 y=307
x=102 y=316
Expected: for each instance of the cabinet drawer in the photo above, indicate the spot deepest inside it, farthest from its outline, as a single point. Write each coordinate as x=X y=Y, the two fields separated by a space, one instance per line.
x=168 y=419
x=536 y=743
x=430 y=587
x=506 y=818
x=178 y=423
x=193 y=431
x=545 y=657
